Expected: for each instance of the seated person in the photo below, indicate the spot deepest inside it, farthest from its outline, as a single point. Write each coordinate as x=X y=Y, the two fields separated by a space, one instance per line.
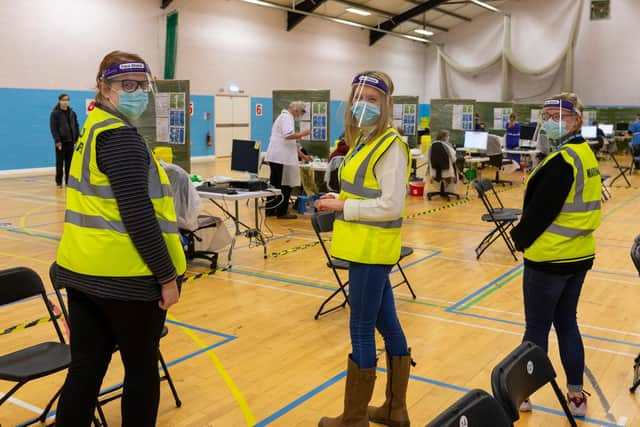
x=449 y=175
x=341 y=148
x=188 y=205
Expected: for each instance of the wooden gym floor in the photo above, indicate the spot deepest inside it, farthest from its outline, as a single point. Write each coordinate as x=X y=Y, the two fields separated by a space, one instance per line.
x=244 y=348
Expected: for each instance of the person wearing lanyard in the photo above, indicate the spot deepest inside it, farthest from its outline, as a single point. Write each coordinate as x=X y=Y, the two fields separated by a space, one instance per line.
x=512 y=136
x=120 y=256
x=373 y=179
x=282 y=156
x=560 y=213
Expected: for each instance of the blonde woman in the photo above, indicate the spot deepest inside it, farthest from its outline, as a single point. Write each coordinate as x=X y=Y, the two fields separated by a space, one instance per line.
x=366 y=233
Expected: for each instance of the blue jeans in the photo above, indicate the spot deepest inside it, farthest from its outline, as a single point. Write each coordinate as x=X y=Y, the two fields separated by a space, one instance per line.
x=553 y=298
x=373 y=307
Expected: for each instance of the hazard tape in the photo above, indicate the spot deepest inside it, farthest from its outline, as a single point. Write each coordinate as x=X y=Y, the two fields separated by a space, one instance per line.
x=450 y=205
x=296 y=248
x=31 y=324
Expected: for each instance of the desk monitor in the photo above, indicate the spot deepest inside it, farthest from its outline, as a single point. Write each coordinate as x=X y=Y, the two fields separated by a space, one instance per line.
x=589 y=132
x=622 y=126
x=475 y=140
x=245 y=156
x=606 y=128
x=526 y=135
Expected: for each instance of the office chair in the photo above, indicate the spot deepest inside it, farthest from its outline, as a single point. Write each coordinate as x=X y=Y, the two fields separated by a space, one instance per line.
x=331 y=174
x=37 y=360
x=476 y=408
x=502 y=218
x=192 y=237
x=106 y=396
x=496 y=158
x=322 y=222
x=439 y=161
x=524 y=371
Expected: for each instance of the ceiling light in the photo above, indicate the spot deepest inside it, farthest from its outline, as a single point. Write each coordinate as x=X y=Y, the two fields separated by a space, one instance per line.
x=418 y=39
x=423 y=32
x=358 y=11
x=258 y=2
x=485 y=5
x=345 y=22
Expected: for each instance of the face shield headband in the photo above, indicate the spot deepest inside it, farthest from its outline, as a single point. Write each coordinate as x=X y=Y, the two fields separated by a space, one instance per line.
x=364 y=112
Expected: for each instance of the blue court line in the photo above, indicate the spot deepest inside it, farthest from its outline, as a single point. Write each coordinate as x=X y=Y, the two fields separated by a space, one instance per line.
x=33 y=214
x=512 y=322
x=494 y=282
x=612 y=273
x=418 y=261
x=280 y=412
x=297 y=402
x=227 y=338
x=42 y=236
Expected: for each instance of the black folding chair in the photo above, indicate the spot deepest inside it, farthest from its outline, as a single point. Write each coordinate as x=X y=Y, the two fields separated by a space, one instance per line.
x=635 y=257
x=477 y=408
x=323 y=223
x=622 y=170
x=520 y=374
x=501 y=217
x=106 y=396
x=38 y=360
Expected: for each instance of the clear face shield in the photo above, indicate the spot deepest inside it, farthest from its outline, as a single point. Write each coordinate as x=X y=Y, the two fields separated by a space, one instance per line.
x=136 y=90
x=369 y=94
x=553 y=122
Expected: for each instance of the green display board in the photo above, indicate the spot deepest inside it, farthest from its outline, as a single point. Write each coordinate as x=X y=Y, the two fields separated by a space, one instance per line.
x=316 y=118
x=168 y=124
x=405 y=117
x=615 y=115
x=494 y=115
x=455 y=115
x=526 y=113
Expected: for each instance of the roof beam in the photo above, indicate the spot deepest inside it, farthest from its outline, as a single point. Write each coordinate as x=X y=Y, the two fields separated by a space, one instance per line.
x=294 y=19
x=394 y=21
x=445 y=11
x=165 y=4
x=386 y=14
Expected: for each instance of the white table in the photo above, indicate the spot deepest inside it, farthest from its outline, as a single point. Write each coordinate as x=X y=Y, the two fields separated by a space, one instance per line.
x=531 y=152
x=317 y=166
x=250 y=232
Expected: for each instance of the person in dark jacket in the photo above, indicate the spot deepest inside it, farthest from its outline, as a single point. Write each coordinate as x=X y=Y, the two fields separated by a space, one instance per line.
x=65 y=131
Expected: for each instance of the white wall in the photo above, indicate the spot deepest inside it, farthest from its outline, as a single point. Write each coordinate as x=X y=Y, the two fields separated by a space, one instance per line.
x=50 y=44
x=605 y=66
x=223 y=41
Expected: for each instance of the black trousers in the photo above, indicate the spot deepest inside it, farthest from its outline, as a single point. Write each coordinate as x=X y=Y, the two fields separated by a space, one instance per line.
x=97 y=326
x=277 y=205
x=63 y=159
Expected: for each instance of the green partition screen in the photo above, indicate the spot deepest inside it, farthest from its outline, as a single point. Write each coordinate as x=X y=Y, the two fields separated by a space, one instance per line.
x=405 y=117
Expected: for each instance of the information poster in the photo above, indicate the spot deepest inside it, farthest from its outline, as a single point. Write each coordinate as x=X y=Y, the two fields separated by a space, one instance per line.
x=170 y=117
x=319 y=121
x=409 y=119
x=535 y=115
x=501 y=117
x=462 y=117
x=588 y=117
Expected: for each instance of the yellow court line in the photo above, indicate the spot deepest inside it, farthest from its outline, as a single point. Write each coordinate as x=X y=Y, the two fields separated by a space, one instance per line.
x=26 y=257
x=235 y=392
x=22 y=222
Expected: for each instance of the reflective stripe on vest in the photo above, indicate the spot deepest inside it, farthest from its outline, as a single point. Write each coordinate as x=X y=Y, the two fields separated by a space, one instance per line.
x=94 y=221
x=578 y=204
x=396 y=223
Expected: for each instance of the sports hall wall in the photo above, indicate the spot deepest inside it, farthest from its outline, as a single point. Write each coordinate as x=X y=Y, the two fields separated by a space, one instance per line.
x=228 y=41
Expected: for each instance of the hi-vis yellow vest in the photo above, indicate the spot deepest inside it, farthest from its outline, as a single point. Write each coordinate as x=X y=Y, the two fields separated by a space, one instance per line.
x=95 y=241
x=367 y=242
x=570 y=237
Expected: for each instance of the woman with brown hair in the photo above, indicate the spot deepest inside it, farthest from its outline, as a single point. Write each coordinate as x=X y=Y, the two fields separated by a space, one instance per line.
x=366 y=233
x=120 y=256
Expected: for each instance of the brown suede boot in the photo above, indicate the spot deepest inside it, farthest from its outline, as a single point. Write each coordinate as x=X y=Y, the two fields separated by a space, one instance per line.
x=393 y=411
x=357 y=395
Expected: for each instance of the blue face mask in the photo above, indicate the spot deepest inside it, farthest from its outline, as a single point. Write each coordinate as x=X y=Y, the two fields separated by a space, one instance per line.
x=555 y=130
x=365 y=113
x=132 y=104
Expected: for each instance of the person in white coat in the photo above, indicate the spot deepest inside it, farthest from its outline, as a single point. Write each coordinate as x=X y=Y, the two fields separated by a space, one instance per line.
x=282 y=156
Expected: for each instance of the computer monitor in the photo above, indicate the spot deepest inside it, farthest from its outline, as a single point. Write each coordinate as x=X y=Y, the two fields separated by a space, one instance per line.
x=245 y=156
x=589 y=132
x=475 y=140
x=622 y=126
x=606 y=128
x=527 y=132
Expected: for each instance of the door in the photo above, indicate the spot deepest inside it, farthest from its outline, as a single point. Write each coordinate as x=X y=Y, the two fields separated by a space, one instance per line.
x=232 y=121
